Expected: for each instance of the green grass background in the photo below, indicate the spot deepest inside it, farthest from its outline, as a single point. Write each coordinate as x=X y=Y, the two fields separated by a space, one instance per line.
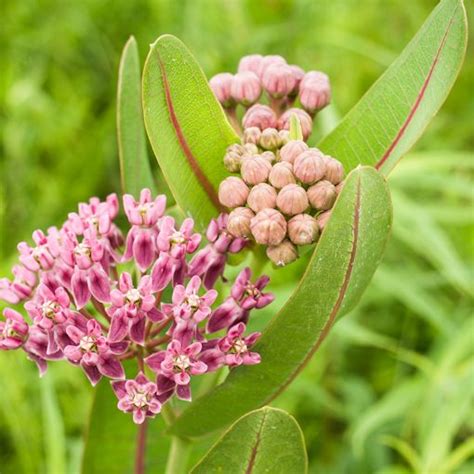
x=391 y=390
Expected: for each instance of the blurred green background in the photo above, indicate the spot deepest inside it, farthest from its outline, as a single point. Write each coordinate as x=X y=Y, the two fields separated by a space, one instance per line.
x=391 y=390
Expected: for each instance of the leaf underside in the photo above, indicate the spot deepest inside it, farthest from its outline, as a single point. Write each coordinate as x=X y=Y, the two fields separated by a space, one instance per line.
x=135 y=169
x=263 y=441
x=187 y=128
x=341 y=267
x=393 y=114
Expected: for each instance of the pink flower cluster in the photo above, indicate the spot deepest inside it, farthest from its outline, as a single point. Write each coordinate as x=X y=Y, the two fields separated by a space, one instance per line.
x=286 y=85
x=95 y=298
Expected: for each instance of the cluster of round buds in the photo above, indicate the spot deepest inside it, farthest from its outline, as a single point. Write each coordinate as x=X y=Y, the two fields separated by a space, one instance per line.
x=285 y=85
x=94 y=298
x=282 y=198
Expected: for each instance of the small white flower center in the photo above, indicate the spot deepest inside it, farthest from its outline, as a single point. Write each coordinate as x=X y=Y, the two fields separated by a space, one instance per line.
x=194 y=301
x=181 y=362
x=82 y=250
x=177 y=238
x=239 y=346
x=251 y=290
x=87 y=343
x=49 y=309
x=133 y=296
x=139 y=399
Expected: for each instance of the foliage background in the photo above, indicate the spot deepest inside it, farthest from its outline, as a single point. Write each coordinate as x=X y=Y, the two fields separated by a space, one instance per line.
x=391 y=390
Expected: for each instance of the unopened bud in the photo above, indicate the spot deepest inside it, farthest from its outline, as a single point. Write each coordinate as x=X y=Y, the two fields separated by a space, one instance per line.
x=250 y=63
x=322 y=195
x=278 y=80
x=334 y=170
x=281 y=175
x=268 y=227
x=262 y=196
x=269 y=156
x=221 y=85
x=246 y=88
x=303 y=229
x=309 y=167
x=252 y=135
x=292 y=200
x=292 y=149
x=305 y=120
x=284 y=136
x=298 y=74
x=260 y=116
x=250 y=149
x=323 y=219
x=233 y=192
x=238 y=223
x=268 y=61
x=232 y=161
x=315 y=91
x=255 y=169
x=270 y=139
x=282 y=254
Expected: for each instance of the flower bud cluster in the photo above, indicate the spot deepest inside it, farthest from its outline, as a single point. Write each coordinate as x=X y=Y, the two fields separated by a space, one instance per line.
x=282 y=198
x=94 y=298
x=284 y=86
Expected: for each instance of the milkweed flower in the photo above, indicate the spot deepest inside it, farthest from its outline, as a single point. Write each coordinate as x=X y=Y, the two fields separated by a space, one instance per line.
x=94 y=301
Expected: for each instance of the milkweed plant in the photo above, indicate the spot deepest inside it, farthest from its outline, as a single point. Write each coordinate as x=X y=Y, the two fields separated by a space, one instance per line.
x=153 y=303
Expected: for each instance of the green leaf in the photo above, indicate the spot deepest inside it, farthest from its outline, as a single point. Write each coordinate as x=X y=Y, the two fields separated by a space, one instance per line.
x=134 y=164
x=186 y=126
x=263 y=441
x=340 y=269
x=392 y=115
x=111 y=437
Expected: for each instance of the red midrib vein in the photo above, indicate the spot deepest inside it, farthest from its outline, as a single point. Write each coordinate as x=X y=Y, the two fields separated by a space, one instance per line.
x=419 y=98
x=193 y=163
x=253 y=454
x=340 y=297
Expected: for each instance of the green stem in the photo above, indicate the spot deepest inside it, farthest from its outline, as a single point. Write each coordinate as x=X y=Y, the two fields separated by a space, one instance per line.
x=259 y=260
x=178 y=456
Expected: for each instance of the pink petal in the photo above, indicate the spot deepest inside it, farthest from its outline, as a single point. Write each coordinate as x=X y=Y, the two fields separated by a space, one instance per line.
x=80 y=288
x=111 y=368
x=99 y=284
x=183 y=392
x=143 y=250
x=137 y=331
x=118 y=329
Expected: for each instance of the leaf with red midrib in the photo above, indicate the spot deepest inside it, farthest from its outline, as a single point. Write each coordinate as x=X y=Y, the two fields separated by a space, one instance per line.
x=395 y=111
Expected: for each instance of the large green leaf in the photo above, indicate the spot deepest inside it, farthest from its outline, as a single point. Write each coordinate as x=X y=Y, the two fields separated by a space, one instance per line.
x=111 y=437
x=186 y=126
x=340 y=269
x=134 y=164
x=392 y=115
x=263 y=441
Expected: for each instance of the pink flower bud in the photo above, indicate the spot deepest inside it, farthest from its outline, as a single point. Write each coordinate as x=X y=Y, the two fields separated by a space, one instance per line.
x=233 y=192
x=255 y=169
x=278 y=80
x=303 y=229
x=268 y=227
x=284 y=136
x=292 y=149
x=262 y=196
x=322 y=195
x=268 y=61
x=221 y=85
x=250 y=149
x=252 y=135
x=315 y=91
x=282 y=254
x=269 y=156
x=281 y=175
x=292 y=200
x=270 y=139
x=239 y=222
x=309 y=167
x=305 y=120
x=245 y=88
x=260 y=116
x=323 y=219
x=298 y=74
x=232 y=161
x=250 y=63
x=334 y=170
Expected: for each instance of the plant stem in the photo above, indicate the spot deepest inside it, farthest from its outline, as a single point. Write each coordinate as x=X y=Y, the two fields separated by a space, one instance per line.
x=141 y=448
x=234 y=121
x=178 y=456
